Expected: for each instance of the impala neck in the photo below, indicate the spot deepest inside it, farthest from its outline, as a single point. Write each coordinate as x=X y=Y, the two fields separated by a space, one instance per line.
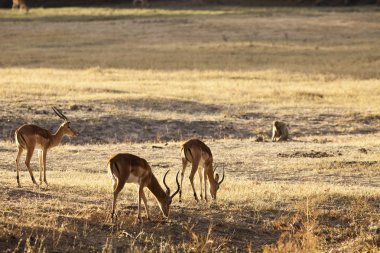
x=57 y=137
x=156 y=189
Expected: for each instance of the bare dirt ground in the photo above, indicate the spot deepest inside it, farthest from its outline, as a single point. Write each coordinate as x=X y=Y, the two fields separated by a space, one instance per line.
x=143 y=81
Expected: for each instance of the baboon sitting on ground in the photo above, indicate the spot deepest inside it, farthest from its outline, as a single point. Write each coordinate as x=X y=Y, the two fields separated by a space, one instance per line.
x=280 y=131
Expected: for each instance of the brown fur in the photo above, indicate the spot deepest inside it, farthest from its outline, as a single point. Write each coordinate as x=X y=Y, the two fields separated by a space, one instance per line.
x=20 y=4
x=196 y=152
x=30 y=137
x=128 y=168
x=280 y=131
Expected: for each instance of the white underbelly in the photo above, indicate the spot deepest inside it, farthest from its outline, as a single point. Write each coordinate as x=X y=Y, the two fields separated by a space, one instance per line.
x=133 y=179
x=39 y=147
x=202 y=162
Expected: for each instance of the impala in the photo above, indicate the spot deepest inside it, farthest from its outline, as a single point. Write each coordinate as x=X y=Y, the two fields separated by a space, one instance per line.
x=20 y=4
x=29 y=137
x=199 y=155
x=128 y=168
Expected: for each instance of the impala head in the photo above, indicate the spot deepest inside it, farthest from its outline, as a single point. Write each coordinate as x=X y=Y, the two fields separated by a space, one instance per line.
x=215 y=187
x=165 y=205
x=65 y=126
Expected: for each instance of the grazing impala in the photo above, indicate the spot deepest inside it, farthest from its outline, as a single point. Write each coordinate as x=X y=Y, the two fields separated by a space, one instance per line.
x=128 y=168
x=29 y=137
x=199 y=155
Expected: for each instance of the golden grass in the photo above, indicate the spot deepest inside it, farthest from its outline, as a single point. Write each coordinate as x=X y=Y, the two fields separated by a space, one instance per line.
x=129 y=79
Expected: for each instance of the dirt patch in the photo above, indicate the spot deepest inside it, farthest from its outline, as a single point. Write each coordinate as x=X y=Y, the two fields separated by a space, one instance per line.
x=309 y=95
x=309 y=154
x=354 y=164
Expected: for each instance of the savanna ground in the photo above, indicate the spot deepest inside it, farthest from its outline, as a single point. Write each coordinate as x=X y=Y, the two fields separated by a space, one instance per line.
x=143 y=81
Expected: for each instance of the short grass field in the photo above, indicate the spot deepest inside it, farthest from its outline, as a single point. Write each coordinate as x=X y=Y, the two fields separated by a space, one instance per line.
x=145 y=80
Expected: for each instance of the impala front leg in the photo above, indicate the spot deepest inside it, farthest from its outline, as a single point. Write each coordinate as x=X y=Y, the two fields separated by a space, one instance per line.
x=205 y=179
x=17 y=165
x=40 y=160
x=145 y=204
x=141 y=193
x=200 y=181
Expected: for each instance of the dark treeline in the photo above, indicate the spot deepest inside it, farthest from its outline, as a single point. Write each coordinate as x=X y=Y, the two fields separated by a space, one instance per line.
x=163 y=3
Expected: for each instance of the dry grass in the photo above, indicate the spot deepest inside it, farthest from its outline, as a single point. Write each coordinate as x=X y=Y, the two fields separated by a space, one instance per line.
x=133 y=79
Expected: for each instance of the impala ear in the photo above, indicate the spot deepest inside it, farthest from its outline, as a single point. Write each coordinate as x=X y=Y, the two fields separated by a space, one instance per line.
x=217 y=177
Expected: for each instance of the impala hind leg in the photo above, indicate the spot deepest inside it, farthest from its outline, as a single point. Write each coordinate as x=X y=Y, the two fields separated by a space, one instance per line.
x=184 y=164
x=117 y=189
x=20 y=150
x=191 y=177
x=29 y=154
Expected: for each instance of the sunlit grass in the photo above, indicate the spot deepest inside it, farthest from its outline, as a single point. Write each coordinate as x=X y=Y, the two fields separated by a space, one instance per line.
x=143 y=80
x=127 y=11
x=231 y=87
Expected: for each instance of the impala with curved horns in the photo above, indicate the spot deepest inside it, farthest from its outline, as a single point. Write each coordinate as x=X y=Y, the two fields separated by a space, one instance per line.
x=128 y=168
x=29 y=137
x=200 y=156
x=16 y=4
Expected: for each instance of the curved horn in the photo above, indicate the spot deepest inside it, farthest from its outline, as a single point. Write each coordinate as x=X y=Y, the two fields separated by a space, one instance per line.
x=60 y=114
x=221 y=181
x=215 y=167
x=167 y=187
x=178 y=187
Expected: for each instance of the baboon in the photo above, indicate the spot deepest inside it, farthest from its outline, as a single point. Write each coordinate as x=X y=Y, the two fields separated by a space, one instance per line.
x=143 y=3
x=280 y=131
x=20 y=4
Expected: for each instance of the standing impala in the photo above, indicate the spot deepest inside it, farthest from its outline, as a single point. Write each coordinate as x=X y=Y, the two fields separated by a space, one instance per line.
x=29 y=137
x=20 y=4
x=128 y=168
x=199 y=155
